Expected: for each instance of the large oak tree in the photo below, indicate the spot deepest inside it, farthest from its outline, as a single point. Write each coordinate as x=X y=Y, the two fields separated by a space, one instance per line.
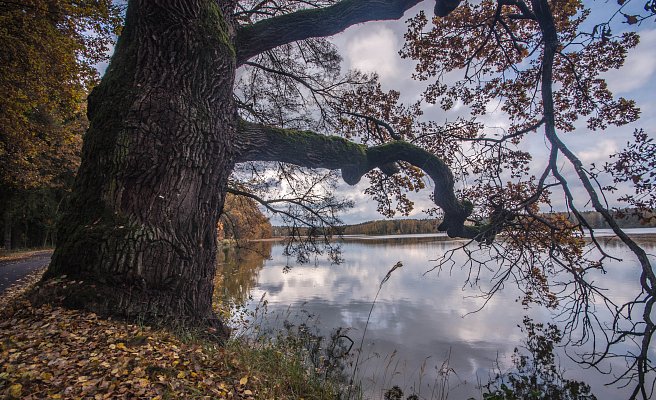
x=164 y=137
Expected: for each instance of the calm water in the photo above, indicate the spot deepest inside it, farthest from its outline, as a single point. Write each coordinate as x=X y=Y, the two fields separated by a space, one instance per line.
x=419 y=320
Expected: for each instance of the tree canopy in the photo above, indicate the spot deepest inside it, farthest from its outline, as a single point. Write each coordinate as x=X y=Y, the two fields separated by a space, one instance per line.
x=50 y=50
x=49 y=53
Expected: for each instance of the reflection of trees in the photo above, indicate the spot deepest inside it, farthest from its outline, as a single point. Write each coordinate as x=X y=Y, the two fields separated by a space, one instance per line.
x=613 y=243
x=536 y=374
x=237 y=270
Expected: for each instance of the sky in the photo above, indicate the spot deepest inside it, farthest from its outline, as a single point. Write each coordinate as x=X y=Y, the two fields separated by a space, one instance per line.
x=374 y=47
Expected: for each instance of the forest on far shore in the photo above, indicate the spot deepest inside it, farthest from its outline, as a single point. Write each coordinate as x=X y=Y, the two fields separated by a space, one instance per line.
x=626 y=218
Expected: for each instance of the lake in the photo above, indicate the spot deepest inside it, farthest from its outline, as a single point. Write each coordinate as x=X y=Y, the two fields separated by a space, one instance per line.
x=422 y=323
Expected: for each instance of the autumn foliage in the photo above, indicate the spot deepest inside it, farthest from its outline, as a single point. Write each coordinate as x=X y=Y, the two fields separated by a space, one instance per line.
x=50 y=352
x=242 y=219
x=49 y=53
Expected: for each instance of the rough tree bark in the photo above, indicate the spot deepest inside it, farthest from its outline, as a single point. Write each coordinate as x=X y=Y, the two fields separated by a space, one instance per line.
x=142 y=221
x=140 y=230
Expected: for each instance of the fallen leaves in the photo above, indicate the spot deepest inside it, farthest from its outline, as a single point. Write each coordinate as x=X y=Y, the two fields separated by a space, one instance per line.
x=11 y=256
x=55 y=353
x=15 y=390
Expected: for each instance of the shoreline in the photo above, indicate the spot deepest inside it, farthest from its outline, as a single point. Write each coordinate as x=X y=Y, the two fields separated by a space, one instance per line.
x=642 y=233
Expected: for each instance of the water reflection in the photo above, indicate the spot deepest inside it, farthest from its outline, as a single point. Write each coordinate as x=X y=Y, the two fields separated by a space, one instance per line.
x=238 y=269
x=419 y=320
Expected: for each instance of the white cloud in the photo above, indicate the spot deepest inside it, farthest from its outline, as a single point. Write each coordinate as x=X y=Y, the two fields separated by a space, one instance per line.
x=638 y=68
x=375 y=51
x=599 y=152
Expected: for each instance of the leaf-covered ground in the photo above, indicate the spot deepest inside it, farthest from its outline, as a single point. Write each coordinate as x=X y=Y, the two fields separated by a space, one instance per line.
x=10 y=256
x=56 y=353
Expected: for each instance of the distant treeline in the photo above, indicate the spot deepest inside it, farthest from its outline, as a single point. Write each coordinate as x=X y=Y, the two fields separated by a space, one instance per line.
x=392 y=227
x=379 y=227
x=626 y=218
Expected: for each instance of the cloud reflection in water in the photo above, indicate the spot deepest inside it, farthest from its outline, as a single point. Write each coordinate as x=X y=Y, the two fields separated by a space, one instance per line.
x=423 y=317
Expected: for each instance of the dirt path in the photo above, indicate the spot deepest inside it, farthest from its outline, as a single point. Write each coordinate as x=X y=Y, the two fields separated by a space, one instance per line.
x=12 y=271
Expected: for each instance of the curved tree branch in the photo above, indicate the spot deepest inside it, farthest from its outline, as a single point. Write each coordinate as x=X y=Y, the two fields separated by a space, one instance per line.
x=309 y=149
x=645 y=330
x=273 y=32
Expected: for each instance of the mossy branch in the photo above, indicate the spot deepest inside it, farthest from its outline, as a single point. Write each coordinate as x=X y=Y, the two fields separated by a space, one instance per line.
x=312 y=150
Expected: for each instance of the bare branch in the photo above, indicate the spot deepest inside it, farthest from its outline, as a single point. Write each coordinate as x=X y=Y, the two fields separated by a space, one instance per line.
x=648 y=278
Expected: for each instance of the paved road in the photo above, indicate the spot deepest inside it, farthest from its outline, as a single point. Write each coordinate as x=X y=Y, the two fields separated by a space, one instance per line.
x=12 y=271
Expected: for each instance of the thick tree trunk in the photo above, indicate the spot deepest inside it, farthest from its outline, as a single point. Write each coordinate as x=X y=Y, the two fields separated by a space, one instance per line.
x=140 y=231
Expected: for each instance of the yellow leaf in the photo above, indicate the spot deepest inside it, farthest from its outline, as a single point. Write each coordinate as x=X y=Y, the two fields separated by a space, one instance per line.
x=243 y=380
x=45 y=376
x=15 y=390
x=248 y=393
x=56 y=396
x=181 y=374
x=121 y=346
